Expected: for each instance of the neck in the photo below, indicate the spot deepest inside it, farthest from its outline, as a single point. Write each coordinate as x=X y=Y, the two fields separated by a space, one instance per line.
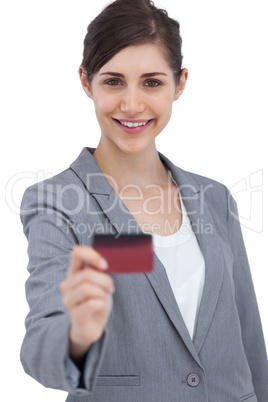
x=141 y=168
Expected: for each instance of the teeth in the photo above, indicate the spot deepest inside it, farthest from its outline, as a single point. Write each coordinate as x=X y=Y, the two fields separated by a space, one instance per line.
x=128 y=124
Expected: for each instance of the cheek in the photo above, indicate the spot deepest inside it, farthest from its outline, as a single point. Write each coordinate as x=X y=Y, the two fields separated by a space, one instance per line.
x=164 y=107
x=104 y=104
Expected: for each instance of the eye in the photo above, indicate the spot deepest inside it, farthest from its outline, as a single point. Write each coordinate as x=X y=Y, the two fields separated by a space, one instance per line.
x=152 y=83
x=113 y=82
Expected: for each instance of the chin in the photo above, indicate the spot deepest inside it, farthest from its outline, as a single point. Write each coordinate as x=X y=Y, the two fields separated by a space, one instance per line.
x=135 y=147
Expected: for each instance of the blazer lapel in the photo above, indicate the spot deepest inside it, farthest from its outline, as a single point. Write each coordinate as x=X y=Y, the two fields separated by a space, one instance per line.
x=198 y=210
x=160 y=283
x=209 y=243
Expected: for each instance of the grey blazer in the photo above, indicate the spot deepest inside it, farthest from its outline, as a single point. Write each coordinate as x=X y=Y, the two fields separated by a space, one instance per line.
x=146 y=354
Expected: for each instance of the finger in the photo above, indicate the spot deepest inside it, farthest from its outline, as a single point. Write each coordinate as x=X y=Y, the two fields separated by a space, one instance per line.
x=89 y=319
x=83 y=256
x=90 y=275
x=82 y=294
x=96 y=308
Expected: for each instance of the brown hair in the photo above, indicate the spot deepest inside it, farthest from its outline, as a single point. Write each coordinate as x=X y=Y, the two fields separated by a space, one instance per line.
x=129 y=22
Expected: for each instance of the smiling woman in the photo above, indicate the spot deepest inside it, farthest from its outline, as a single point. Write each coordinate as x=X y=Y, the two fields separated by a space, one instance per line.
x=171 y=334
x=133 y=93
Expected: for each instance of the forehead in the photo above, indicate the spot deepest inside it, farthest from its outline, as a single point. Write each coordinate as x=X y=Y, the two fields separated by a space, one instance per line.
x=136 y=59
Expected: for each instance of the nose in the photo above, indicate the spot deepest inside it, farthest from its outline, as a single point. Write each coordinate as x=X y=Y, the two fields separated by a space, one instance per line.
x=132 y=102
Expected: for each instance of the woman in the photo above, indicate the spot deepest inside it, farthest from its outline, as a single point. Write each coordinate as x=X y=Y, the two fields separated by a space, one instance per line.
x=188 y=331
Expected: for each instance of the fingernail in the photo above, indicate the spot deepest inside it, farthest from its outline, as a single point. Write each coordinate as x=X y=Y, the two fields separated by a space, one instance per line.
x=103 y=264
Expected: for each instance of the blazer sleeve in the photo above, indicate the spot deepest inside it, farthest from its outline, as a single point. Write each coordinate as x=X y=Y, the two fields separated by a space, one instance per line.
x=45 y=348
x=251 y=328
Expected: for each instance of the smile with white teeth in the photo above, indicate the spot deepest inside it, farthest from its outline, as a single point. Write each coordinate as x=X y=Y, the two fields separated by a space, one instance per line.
x=132 y=125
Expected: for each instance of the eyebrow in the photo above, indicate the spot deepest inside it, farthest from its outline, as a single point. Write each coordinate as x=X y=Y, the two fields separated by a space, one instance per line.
x=146 y=75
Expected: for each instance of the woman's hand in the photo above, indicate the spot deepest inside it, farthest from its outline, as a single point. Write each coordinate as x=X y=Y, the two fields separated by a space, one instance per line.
x=87 y=295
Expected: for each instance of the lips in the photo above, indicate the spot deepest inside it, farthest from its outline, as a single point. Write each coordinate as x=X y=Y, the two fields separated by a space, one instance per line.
x=132 y=123
x=133 y=126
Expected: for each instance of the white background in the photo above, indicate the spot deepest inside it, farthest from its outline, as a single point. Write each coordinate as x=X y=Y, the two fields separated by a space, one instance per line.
x=218 y=128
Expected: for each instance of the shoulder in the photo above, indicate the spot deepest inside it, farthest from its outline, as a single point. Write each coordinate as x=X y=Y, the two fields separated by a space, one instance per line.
x=210 y=188
x=68 y=179
x=212 y=193
x=61 y=193
x=193 y=183
x=204 y=193
x=62 y=181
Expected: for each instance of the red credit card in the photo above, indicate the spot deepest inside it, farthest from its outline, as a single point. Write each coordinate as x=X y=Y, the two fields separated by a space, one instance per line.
x=127 y=253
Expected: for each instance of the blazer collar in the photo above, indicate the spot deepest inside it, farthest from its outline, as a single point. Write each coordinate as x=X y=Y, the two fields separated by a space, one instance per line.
x=87 y=168
x=192 y=193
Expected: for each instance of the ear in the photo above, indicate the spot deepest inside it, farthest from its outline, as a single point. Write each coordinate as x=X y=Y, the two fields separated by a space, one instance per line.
x=182 y=83
x=84 y=82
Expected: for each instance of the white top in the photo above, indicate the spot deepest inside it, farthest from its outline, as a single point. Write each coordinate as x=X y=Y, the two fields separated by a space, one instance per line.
x=185 y=266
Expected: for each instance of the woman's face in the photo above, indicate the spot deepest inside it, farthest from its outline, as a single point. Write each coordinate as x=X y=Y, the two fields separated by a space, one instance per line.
x=133 y=95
